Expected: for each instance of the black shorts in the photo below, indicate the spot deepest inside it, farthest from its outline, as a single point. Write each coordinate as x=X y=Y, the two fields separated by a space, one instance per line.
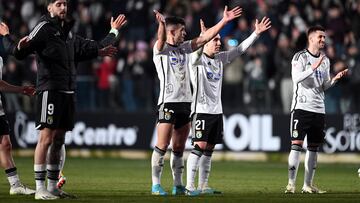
x=4 y=126
x=207 y=128
x=174 y=113
x=55 y=110
x=307 y=123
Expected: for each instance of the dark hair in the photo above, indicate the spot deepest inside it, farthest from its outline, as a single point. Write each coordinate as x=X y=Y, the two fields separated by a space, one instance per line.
x=49 y=2
x=173 y=20
x=314 y=29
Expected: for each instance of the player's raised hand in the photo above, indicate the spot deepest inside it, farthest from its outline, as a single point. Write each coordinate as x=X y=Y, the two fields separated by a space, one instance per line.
x=118 y=22
x=28 y=90
x=264 y=25
x=4 y=29
x=159 y=17
x=107 y=51
x=202 y=26
x=232 y=14
x=340 y=75
x=318 y=63
x=23 y=43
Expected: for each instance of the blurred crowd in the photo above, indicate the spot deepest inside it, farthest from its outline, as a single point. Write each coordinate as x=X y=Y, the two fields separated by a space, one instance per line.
x=257 y=82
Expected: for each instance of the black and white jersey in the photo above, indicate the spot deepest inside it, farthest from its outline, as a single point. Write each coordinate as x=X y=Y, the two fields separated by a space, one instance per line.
x=207 y=75
x=2 y=112
x=309 y=84
x=172 y=68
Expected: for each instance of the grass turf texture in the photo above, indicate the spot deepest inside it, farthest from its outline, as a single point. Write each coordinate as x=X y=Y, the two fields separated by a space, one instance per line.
x=120 y=180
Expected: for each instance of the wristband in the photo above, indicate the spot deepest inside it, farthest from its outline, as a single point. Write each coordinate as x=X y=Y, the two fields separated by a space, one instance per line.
x=114 y=31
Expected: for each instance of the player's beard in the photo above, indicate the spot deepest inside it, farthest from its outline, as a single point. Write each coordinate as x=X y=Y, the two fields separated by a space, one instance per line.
x=62 y=16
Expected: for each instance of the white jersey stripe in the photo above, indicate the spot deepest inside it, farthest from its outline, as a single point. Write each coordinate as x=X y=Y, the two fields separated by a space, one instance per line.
x=291 y=122
x=36 y=29
x=163 y=72
x=2 y=112
x=44 y=106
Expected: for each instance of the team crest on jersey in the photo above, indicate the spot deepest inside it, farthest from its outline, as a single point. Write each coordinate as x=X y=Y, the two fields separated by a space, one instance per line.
x=295 y=134
x=49 y=120
x=198 y=134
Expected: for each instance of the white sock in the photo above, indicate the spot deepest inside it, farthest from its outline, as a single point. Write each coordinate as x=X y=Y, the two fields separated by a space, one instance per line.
x=310 y=166
x=40 y=175
x=177 y=167
x=157 y=165
x=192 y=165
x=53 y=176
x=204 y=170
x=13 y=177
x=62 y=157
x=293 y=165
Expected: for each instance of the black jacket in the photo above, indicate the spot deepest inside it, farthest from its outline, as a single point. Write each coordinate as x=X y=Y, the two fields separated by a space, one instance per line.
x=57 y=51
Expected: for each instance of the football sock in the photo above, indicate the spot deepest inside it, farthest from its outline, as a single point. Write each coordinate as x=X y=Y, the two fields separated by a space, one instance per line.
x=13 y=177
x=62 y=157
x=177 y=167
x=204 y=168
x=157 y=164
x=40 y=174
x=192 y=165
x=310 y=167
x=293 y=163
x=53 y=176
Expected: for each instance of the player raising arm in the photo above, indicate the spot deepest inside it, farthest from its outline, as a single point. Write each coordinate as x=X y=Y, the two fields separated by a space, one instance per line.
x=207 y=115
x=171 y=61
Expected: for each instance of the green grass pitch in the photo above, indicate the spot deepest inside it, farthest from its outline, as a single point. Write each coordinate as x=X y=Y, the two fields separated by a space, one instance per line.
x=121 y=180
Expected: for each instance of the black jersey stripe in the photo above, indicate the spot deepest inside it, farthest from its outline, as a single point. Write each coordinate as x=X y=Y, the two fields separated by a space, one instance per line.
x=291 y=123
x=197 y=87
x=297 y=56
x=163 y=71
x=296 y=95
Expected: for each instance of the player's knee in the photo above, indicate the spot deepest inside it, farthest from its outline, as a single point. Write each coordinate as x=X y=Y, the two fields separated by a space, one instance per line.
x=297 y=142
x=197 y=150
x=202 y=145
x=6 y=145
x=45 y=140
x=296 y=147
x=58 y=143
x=178 y=147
